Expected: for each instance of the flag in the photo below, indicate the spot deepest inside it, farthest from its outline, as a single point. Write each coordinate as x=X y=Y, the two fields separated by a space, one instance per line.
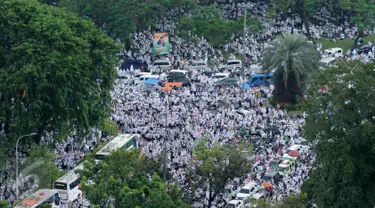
x=161 y=43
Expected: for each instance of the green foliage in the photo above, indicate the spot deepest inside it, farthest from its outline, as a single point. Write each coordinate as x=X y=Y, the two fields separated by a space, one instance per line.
x=293 y=58
x=4 y=204
x=293 y=201
x=119 y=18
x=40 y=163
x=303 y=8
x=341 y=122
x=218 y=165
x=206 y=21
x=123 y=178
x=58 y=60
x=109 y=127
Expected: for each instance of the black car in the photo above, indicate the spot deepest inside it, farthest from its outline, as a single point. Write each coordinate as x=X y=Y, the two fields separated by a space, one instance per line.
x=179 y=78
x=227 y=82
x=209 y=73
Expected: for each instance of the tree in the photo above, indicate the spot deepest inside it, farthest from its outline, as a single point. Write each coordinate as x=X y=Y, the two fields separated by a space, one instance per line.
x=56 y=70
x=341 y=123
x=293 y=58
x=294 y=201
x=206 y=21
x=303 y=8
x=122 y=179
x=214 y=167
x=120 y=18
x=364 y=11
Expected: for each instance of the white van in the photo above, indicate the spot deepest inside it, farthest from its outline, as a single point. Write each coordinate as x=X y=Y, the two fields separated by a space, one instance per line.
x=333 y=52
x=231 y=65
x=197 y=65
x=162 y=64
x=143 y=78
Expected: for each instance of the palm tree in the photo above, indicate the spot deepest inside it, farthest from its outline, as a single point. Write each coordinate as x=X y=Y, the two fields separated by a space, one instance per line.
x=293 y=58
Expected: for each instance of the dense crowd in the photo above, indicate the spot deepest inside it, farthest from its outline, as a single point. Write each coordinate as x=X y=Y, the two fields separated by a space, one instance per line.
x=191 y=112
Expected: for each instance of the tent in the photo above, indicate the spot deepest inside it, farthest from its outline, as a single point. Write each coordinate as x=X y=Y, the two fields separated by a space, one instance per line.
x=294 y=153
x=151 y=81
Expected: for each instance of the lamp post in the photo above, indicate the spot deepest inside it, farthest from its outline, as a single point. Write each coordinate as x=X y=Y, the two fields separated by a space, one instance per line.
x=244 y=53
x=26 y=135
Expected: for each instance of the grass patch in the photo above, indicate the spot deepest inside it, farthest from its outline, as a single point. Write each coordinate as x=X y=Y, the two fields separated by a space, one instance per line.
x=346 y=44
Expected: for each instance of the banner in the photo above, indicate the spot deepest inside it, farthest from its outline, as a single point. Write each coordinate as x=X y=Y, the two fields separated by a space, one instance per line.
x=161 y=43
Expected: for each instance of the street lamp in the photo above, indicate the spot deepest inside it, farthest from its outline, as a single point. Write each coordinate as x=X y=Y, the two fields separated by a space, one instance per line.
x=26 y=135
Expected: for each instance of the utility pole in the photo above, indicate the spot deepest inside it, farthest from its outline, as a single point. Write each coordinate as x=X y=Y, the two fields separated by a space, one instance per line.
x=244 y=53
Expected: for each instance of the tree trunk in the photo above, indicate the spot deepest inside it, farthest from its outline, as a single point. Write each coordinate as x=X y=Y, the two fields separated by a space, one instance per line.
x=360 y=35
x=305 y=19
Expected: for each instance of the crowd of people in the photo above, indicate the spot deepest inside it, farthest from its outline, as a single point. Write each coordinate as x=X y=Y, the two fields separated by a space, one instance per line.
x=180 y=119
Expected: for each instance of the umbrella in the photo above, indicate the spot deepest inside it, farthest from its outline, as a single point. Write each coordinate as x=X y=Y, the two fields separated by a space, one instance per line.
x=294 y=153
x=267 y=185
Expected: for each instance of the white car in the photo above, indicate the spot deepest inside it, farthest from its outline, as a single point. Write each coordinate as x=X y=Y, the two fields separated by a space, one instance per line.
x=247 y=191
x=198 y=65
x=235 y=204
x=218 y=76
x=162 y=64
x=327 y=61
x=333 y=52
x=231 y=65
x=184 y=72
x=143 y=78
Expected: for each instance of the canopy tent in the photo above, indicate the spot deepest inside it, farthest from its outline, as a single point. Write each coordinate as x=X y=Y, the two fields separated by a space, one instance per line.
x=294 y=153
x=151 y=81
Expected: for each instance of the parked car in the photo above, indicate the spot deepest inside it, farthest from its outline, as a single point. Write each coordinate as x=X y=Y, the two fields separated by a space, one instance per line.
x=197 y=65
x=333 y=52
x=260 y=79
x=218 y=76
x=227 y=82
x=247 y=191
x=178 y=77
x=235 y=204
x=162 y=64
x=273 y=163
x=327 y=61
x=272 y=177
x=285 y=166
x=231 y=65
x=364 y=49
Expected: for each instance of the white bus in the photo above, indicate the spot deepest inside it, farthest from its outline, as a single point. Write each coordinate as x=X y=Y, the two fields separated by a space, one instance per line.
x=40 y=197
x=122 y=141
x=68 y=185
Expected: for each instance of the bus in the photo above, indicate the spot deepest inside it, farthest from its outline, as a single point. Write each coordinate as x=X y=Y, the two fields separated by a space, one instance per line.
x=41 y=197
x=122 y=141
x=68 y=185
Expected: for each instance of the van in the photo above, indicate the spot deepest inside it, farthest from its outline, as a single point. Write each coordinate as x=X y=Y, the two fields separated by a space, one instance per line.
x=197 y=65
x=260 y=79
x=162 y=64
x=272 y=176
x=333 y=52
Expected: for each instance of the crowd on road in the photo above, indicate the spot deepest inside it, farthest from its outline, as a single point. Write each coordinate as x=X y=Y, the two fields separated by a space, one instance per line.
x=200 y=109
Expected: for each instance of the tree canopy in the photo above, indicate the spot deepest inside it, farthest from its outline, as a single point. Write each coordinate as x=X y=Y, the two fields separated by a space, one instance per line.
x=56 y=70
x=341 y=123
x=213 y=167
x=206 y=21
x=123 y=179
x=293 y=58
